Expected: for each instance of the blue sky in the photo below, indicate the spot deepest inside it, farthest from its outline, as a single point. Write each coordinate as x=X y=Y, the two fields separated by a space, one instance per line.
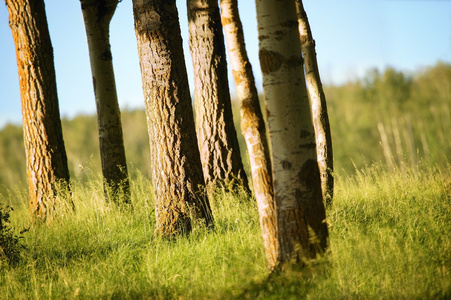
x=352 y=36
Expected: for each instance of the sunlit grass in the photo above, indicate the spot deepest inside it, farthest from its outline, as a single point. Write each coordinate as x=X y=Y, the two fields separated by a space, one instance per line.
x=389 y=239
x=391 y=235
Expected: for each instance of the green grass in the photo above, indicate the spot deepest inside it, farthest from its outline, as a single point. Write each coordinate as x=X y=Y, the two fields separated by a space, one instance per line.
x=389 y=239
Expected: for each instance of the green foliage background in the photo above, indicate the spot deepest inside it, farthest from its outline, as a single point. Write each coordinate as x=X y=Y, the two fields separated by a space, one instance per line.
x=412 y=110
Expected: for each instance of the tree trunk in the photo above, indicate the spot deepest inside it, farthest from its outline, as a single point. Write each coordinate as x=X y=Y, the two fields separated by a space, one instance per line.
x=319 y=106
x=252 y=126
x=176 y=167
x=218 y=143
x=97 y=16
x=43 y=137
x=301 y=230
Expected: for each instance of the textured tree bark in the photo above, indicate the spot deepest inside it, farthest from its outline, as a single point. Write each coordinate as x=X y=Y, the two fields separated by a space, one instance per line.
x=301 y=229
x=218 y=143
x=252 y=126
x=176 y=167
x=97 y=16
x=319 y=106
x=43 y=138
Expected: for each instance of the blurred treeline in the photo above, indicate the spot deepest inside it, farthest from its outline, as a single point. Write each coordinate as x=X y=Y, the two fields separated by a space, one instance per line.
x=397 y=118
x=391 y=117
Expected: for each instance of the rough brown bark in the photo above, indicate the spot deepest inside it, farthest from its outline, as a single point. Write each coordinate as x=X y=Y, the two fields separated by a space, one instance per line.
x=218 y=143
x=97 y=16
x=301 y=228
x=319 y=106
x=43 y=138
x=252 y=126
x=176 y=167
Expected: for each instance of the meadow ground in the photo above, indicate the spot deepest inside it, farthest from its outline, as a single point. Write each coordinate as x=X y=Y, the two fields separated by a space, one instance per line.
x=389 y=239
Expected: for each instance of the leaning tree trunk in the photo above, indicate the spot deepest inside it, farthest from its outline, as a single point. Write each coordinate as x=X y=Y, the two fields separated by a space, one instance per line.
x=301 y=230
x=218 y=143
x=319 y=106
x=176 y=167
x=44 y=145
x=97 y=16
x=252 y=126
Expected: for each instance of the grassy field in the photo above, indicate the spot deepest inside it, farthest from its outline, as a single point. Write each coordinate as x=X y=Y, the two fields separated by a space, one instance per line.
x=389 y=239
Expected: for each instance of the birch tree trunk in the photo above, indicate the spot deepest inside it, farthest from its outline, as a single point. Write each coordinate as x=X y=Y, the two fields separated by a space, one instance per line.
x=43 y=138
x=252 y=126
x=301 y=228
x=218 y=143
x=97 y=16
x=319 y=106
x=176 y=167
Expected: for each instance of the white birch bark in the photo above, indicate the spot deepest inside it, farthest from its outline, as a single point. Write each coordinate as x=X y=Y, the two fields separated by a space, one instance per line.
x=319 y=106
x=297 y=186
x=252 y=126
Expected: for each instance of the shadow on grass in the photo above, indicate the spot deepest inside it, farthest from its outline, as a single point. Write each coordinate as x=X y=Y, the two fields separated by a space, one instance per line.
x=293 y=282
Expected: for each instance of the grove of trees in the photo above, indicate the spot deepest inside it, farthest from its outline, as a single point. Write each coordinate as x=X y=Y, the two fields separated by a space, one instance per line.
x=194 y=146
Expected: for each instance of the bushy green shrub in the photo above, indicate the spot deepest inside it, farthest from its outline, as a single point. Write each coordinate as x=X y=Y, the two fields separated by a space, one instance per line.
x=10 y=243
